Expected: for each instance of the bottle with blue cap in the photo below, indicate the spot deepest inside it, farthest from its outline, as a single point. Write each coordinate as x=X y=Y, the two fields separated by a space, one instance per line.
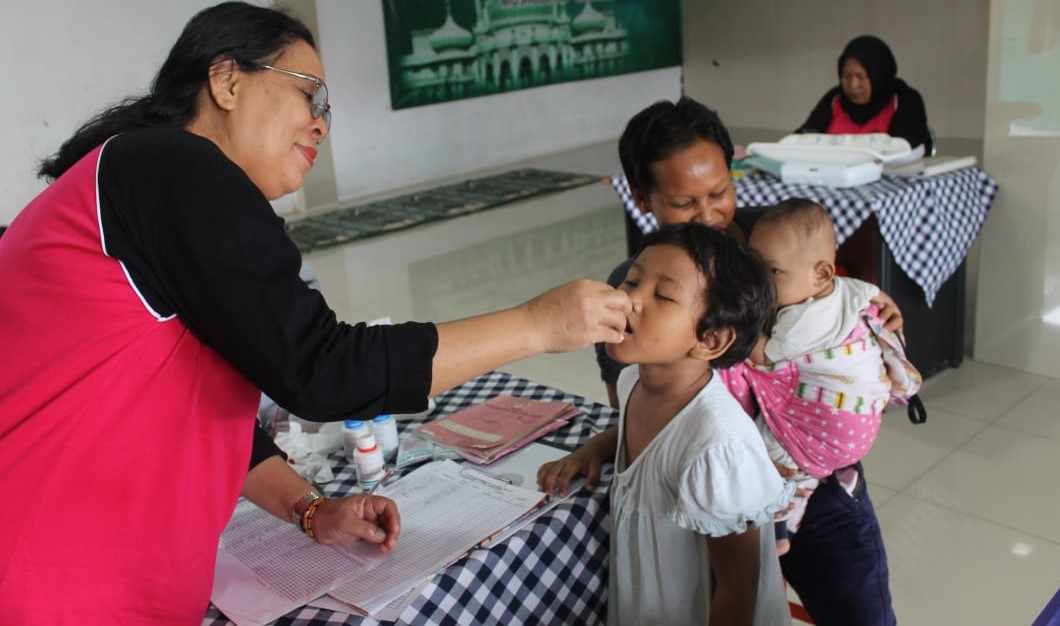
x=384 y=428
x=351 y=430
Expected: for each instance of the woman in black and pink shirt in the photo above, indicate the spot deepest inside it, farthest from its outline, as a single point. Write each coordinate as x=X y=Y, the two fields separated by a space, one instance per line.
x=152 y=294
x=870 y=98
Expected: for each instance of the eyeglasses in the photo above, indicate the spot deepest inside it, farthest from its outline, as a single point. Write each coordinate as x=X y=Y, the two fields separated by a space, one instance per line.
x=318 y=103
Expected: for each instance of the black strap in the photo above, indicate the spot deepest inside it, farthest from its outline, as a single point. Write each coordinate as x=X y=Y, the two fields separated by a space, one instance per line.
x=916 y=411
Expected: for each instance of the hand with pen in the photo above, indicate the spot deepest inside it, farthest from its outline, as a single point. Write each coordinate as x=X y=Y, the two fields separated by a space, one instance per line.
x=360 y=517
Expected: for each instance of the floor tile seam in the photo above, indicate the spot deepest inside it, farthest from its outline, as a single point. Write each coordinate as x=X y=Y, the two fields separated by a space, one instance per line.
x=987 y=420
x=979 y=518
x=983 y=426
x=1021 y=431
x=1022 y=399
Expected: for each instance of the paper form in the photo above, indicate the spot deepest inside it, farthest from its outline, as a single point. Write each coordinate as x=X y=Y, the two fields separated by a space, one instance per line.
x=446 y=509
x=267 y=568
x=385 y=609
x=521 y=467
x=521 y=470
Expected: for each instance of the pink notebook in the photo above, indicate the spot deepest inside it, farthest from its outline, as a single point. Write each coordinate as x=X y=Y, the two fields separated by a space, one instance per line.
x=486 y=432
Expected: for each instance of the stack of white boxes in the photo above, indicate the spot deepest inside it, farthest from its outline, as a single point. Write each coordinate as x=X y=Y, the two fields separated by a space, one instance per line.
x=833 y=160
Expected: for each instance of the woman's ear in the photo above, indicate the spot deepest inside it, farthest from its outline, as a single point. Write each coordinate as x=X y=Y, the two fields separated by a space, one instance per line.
x=714 y=343
x=640 y=200
x=223 y=83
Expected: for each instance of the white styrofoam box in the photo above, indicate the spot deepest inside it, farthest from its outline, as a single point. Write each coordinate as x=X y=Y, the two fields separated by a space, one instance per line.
x=830 y=174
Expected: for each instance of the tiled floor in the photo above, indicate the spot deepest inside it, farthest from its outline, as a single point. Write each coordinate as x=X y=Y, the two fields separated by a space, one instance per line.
x=967 y=501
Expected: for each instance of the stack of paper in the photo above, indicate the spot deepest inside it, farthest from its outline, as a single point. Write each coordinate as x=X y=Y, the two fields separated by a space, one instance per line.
x=486 y=432
x=266 y=568
x=446 y=509
x=931 y=166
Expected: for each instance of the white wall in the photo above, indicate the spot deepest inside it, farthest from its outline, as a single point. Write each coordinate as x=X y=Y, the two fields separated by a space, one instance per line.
x=63 y=61
x=776 y=58
x=375 y=148
x=67 y=59
x=1018 y=321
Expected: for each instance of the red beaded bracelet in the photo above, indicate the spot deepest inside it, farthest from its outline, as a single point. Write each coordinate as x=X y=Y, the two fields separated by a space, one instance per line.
x=307 y=517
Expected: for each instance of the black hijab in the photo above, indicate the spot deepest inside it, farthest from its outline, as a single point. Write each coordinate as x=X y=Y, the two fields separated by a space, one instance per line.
x=882 y=69
x=910 y=120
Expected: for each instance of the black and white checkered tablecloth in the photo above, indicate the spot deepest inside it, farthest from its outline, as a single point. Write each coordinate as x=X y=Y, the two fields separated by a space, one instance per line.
x=553 y=572
x=929 y=224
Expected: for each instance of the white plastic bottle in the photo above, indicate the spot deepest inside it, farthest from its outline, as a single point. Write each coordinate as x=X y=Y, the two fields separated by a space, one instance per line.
x=386 y=435
x=351 y=430
x=369 y=462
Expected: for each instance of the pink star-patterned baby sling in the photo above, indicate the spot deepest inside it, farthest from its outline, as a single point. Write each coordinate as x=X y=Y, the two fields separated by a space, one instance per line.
x=825 y=408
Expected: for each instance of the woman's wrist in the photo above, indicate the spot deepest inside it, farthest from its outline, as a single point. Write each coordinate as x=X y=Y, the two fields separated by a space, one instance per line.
x=532 y=335
x=309 y=517
x=303 y=510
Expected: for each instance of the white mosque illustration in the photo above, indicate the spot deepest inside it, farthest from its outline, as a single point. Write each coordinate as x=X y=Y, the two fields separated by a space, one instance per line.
x=514 y=44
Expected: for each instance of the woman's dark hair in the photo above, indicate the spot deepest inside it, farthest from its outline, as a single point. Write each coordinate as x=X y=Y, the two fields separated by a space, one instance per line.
x=235 y=31
x=739 y=293
x=663 y=129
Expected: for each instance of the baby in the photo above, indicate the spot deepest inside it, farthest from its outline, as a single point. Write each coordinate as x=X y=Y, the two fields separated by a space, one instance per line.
x=823 y=376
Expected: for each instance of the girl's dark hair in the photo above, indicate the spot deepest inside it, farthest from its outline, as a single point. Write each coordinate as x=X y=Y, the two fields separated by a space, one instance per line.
x=235 y=31
x=663 y=129
x=739 y=294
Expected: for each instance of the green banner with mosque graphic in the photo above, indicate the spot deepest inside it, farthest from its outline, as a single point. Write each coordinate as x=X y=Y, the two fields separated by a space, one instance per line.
x=442 y=50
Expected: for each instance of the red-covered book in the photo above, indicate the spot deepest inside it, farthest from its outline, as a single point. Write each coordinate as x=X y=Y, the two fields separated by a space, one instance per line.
x=486 y=432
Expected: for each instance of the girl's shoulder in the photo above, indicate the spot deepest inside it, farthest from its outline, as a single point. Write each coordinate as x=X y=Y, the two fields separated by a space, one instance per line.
x=728 y=485
x=718 y=418
x=728 y=481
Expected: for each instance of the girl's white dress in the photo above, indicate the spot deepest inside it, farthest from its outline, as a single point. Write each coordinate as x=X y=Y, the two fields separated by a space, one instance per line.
x=706 y=473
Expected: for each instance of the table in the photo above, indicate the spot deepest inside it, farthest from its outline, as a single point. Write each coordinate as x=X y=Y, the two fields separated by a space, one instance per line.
x=928 y=224
x=553 y=572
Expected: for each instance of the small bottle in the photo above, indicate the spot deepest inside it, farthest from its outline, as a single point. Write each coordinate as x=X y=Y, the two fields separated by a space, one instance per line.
x=385 y=430
x=351 y=429
x=369 y=462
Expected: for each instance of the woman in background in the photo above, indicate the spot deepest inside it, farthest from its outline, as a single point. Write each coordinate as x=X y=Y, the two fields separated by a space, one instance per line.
x=870 y=98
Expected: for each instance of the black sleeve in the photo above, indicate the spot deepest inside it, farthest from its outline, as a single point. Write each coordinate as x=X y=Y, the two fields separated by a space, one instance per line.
x=821 y=116
x=610 y=368
x=910 y=120
x=264 y=447
x=201 y=242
